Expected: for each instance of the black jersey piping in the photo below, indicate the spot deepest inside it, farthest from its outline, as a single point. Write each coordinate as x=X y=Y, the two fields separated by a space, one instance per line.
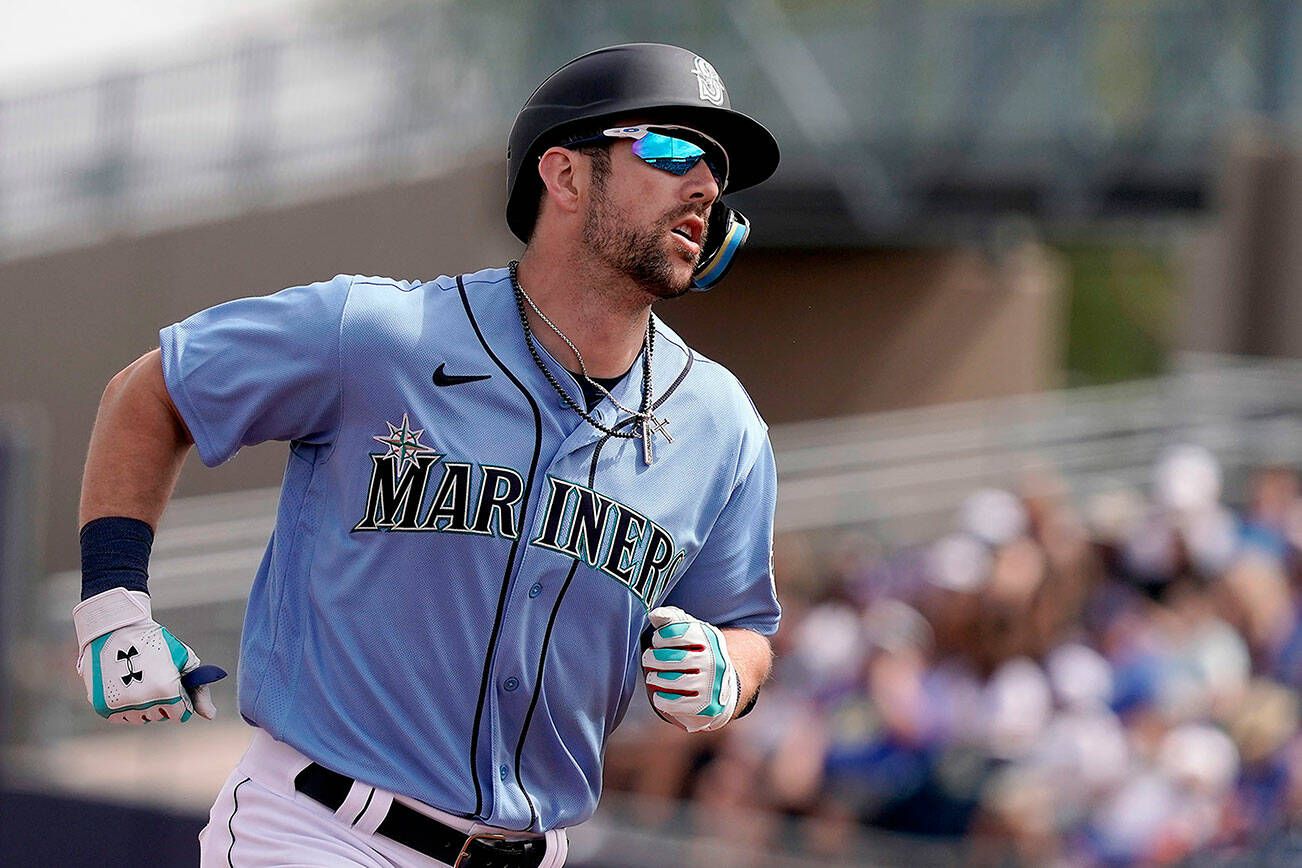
x=235 y=796
x=556 y=607
x=533 y=703
x=510 y=563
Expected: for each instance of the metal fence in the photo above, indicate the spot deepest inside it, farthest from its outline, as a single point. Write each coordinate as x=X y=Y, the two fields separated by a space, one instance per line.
x=905 y=110
x=904 y=473
x=273 y=122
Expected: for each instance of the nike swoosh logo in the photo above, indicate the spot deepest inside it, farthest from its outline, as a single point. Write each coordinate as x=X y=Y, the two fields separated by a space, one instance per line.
x=442 y=379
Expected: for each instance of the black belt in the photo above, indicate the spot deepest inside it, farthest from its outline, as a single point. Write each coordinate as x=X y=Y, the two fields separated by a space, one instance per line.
x=421 y=833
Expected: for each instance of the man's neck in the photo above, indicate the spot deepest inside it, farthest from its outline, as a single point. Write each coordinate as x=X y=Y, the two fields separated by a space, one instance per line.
x=604 y=316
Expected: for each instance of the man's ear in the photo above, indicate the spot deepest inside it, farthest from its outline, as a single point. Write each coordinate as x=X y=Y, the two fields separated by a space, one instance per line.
x=564 y=174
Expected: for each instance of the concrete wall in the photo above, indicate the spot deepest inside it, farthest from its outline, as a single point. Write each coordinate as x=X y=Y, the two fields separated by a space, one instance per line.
x=1242 y=283
x=810 y=333
x=830 y=333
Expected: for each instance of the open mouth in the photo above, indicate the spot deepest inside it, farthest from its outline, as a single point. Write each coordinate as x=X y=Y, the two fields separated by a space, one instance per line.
x=691 y=229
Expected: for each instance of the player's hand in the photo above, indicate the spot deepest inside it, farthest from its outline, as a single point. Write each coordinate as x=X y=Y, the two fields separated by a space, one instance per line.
x=135 y=670
x=689 y=676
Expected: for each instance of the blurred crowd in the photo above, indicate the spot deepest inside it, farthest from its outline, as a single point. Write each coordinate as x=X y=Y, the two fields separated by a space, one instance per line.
x=1111 y=682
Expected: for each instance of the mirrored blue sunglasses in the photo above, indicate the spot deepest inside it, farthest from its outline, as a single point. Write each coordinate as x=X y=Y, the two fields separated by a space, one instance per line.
x=654 y=145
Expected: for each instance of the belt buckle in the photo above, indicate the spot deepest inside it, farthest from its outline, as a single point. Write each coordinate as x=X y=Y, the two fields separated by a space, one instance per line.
x=481 y=836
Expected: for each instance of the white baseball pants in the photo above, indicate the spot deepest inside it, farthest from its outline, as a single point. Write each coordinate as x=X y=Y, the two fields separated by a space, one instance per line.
x=259 y=820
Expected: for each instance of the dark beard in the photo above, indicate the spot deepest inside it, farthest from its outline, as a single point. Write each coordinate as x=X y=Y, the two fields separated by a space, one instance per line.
x=641 y=256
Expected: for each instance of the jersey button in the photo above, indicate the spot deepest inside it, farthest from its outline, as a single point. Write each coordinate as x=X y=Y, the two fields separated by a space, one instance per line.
x=511 y=683
x=536 y=589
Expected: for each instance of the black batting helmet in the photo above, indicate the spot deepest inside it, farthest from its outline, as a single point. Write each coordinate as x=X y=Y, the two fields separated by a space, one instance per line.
x=648 y=80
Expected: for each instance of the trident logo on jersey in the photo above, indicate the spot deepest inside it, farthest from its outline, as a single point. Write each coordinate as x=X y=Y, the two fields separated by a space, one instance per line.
x=401 y=477
x=711 y=85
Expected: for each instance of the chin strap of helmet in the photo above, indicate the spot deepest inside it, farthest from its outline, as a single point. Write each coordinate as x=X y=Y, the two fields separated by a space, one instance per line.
x=725 y=235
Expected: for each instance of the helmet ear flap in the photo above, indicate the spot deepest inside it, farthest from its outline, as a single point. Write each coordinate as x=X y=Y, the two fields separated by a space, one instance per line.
x=726 y=233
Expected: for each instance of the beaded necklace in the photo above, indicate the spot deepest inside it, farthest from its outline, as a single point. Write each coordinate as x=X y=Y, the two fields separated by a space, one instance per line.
x=649 y=424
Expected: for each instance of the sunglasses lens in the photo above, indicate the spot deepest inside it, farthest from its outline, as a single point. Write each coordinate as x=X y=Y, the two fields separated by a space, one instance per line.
x=667 y=153
x=673 y=155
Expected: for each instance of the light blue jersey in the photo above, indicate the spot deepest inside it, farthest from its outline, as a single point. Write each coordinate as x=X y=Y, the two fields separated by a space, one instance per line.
x=452 y=600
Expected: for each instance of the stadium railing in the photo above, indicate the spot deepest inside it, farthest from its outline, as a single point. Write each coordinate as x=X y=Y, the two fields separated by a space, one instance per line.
x=909 y=111
x=899 y=475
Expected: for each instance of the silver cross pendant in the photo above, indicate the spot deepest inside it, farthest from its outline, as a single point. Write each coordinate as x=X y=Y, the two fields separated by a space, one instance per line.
x=648 y=433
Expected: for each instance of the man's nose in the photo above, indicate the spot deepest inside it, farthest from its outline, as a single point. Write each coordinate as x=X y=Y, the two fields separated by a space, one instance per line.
x=699 y=183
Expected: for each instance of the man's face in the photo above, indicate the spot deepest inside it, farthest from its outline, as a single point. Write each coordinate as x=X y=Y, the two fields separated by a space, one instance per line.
x=648 y=223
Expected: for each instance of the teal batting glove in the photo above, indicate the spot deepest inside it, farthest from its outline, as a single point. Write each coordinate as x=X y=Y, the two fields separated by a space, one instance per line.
x=689 y=676
x=134 y=669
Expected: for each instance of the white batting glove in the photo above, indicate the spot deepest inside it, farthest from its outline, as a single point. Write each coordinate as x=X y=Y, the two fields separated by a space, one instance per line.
x=133 y=666
x=691 y=679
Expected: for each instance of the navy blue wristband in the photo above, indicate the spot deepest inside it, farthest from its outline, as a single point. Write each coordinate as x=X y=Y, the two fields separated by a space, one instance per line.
x=115 y=554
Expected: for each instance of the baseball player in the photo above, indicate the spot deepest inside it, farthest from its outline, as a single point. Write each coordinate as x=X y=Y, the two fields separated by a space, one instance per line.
x=512 y=499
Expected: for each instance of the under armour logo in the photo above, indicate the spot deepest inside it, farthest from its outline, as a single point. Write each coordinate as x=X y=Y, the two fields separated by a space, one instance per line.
x=129 y=656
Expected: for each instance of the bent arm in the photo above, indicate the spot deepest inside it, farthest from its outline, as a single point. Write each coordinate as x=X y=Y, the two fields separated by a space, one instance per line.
x=137 y=446
x=752 y=654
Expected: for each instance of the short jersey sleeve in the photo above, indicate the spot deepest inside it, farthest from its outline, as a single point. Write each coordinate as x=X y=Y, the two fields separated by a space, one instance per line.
x=258 y=369
x=730 y=581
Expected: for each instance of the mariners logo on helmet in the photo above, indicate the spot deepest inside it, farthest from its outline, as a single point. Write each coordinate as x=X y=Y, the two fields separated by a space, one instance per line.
x=711 y=85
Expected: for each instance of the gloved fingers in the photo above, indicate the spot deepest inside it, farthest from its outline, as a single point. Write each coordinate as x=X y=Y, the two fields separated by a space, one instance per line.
x=176 y=710
x=120 y=716
x=177 y=713
x=685 y=633
x=674 y=683
x=663 y=615
x=671 y=702
x=680 y=635
x=195 y=681
x=201 y=699
x=674 y=700
x=689 y=676
x=681 y=711
x=670 y=660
